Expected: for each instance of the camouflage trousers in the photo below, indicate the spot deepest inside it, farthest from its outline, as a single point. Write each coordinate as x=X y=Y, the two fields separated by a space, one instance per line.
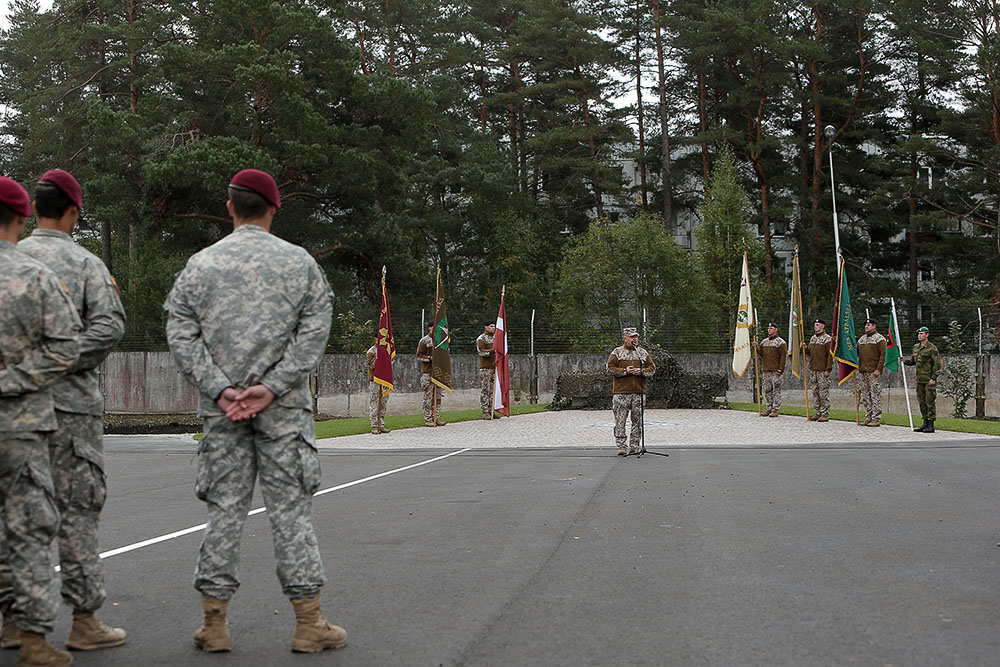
x=927 y=397
x=486 y=390
x=76 y=451
x=428 y=386
x=376 y=410
x=870 y=389
x=29 y=588
x=279 y=446
x=624 y=406
x=771 y=388
x=819 y=385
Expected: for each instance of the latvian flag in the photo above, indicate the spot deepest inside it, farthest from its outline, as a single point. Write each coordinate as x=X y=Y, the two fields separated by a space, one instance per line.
x=501 y=382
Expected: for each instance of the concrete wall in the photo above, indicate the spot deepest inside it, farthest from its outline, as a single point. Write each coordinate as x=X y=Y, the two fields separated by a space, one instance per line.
x=148 y=383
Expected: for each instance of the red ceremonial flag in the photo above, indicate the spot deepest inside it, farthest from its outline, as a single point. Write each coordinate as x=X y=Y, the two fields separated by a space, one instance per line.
x=385 y=346
x=501 y=381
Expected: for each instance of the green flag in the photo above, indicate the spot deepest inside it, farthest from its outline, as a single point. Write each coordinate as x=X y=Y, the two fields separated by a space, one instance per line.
x=845 y=346
x=441 y=356
x=891 y=347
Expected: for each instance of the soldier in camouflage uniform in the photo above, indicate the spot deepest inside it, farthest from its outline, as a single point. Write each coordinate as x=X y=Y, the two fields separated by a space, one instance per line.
x=630 y=366
x=425 y=354
x=871 y=362
x=376 y=401
x=773 y=355
x=248 y=320
x=76 y=449
x=926 y=358
x=487 y=368
x=38 y=344
x=820 y=366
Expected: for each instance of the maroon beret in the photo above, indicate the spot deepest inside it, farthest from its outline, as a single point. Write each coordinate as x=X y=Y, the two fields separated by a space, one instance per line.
x=65 y=182
x=260 y=182
x=14 y=196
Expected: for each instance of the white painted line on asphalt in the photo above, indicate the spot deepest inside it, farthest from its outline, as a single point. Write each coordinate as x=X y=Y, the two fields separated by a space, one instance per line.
x=195 y=529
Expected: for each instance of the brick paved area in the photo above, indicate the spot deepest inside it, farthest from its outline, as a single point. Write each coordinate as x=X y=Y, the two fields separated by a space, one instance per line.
x=664 y=429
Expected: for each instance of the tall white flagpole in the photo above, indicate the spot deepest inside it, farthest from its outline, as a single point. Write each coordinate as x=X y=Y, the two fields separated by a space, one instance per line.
x=902 y=371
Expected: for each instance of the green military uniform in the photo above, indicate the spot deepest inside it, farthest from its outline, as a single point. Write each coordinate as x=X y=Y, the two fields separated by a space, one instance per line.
x=927 y=359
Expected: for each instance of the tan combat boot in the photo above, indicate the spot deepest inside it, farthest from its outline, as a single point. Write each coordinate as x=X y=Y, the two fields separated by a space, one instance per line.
x=36 y=652
x=89 y=633
x=312 y=631
x=213 y=635
x=10 y=635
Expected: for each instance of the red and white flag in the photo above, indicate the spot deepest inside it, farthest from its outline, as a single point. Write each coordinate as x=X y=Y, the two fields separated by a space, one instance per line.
x=501 y=381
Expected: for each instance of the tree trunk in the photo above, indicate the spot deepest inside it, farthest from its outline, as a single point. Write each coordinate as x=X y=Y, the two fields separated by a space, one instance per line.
x=640 y=119
x=668 y=206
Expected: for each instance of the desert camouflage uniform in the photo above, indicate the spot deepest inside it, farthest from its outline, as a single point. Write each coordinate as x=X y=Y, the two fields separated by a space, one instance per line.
x=871 y=358
x=38 y=344
x=928 y=362
x=772 y=366
x=376 y=417
x=253 y=309
x=487 y=371
x=425 y=349
x=76 y=449
x=820 y=363
x=628 y=391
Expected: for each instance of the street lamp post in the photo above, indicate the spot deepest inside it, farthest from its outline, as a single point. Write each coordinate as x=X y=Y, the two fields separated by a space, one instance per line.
x=829 y=131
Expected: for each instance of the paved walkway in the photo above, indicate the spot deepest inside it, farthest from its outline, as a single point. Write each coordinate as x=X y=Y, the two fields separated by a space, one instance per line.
x=664 y=429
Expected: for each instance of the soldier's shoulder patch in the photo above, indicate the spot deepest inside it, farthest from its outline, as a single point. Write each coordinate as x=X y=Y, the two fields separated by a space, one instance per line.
x=65 y=288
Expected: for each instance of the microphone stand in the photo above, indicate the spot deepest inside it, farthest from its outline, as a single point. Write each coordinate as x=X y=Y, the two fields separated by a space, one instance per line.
x=642 y=416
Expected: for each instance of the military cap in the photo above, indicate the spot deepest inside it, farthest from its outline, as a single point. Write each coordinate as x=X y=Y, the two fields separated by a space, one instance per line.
x=818 y=321
x=923 y=329
x=14 y=196
x=254 y=180
x=65 y=182
x=629 y=331
x=871 y=321
x=772 y=324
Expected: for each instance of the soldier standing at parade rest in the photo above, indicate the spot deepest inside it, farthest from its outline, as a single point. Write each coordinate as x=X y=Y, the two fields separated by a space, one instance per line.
x=773 y=353
x=76 y=449
x=926 y=358
x=248 y=321
x=39 y=343
x=376 y=401
x=630 y=366
x=425 y=353
x=820 y=366
x=871 y=362
x=487 y=368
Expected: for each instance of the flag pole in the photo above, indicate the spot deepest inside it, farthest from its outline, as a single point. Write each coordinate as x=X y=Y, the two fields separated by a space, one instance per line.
x=802 y=330
x=857 y=404
x=434 y=395
x=756 y=365
x=902 y=370
x=493 y=394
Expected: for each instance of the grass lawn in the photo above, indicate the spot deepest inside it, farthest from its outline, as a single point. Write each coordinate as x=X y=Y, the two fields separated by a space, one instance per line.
x=333 y=428
x=940 y=424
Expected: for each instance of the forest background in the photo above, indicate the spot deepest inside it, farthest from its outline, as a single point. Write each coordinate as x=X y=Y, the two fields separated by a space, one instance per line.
x=487 y=138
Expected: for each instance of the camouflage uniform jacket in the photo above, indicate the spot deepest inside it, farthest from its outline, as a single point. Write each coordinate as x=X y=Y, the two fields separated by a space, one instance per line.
x=927 y=360
x=819 y=352
x=619 y=360
x=95 y=298
x=871 y=353
x=250 y=309
x=425 y=351
x=38 y=341
x=773 y=353
x=370 y=356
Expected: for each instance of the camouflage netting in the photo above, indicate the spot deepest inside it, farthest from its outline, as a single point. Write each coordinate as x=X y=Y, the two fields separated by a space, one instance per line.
x=671 y=387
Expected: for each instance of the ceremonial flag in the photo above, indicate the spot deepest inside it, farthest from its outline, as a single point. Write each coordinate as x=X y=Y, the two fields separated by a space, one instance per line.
x=796 y=334
x=892 y=346
x=385 y=345
x=441 y=356
x=744 y=320
x=844 y=343
x=501 y=379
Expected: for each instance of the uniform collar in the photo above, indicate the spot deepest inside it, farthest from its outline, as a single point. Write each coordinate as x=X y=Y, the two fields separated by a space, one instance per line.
x=51 y=233
x=7 y=245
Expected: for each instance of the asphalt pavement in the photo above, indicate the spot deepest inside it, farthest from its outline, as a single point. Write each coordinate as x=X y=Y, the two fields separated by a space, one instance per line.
x=528 y=542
